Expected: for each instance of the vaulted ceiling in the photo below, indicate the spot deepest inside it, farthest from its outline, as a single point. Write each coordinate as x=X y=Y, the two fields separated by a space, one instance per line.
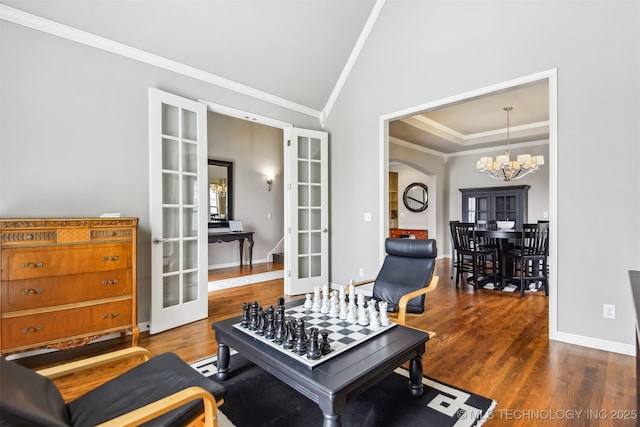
x=298 y=51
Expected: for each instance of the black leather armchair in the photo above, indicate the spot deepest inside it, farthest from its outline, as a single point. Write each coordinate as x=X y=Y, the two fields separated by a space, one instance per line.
x=162 y=391
x=406 y=276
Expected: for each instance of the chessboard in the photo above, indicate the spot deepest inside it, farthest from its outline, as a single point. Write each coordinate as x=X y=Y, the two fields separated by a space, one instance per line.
x=343 y=335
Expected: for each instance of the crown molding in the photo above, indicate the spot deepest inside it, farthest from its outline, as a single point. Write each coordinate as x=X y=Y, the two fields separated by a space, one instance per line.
x=446 y=156
x=357 y=48
x=431 y=126
x=64 y=31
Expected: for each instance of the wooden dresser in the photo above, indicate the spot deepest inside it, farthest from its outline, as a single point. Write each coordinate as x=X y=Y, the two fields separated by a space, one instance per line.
x=396 y=233
x=66 y=281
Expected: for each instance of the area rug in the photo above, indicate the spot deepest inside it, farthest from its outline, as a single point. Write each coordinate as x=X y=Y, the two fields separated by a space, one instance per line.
x=256 y=398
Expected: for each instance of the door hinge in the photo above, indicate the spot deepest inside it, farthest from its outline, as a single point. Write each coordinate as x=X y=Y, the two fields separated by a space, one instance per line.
x=288 y=143
x=288 y=273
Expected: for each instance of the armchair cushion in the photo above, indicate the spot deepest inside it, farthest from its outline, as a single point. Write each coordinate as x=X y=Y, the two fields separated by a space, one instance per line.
x=408 y=266
x=28 y=399
x=157 y=378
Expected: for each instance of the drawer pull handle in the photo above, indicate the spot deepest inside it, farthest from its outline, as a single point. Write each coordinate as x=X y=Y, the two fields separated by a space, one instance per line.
x=112 y=233
x=32 y=329
x=110 y=258
x=107 y=315
x=111 y=282
x=32 y=291
x=33 y=264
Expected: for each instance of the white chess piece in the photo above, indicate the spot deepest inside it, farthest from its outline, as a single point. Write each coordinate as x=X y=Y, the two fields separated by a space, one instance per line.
x=343 y=310
x=374 y=322
x=384 y=315
x=360 y=299
x=325 y=307
x=308 y=303
x=317 y=302
x=333 y=305
x=352 y=315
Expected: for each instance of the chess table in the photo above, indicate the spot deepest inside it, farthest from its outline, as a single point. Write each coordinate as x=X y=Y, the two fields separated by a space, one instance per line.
x=332 y=383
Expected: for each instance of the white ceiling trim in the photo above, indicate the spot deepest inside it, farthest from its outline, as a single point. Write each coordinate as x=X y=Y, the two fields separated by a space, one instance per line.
x=446 y=156
x=56 y=29
x=357 y=48
x=431 y=126
x=436 y=128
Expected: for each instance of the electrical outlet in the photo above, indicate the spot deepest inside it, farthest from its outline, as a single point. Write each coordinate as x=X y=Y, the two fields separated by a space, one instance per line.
x=367 y=217
x=609 y=311
x=361 y=272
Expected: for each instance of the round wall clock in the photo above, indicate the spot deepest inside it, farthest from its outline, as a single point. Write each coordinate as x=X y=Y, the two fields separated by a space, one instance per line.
x=416 y=197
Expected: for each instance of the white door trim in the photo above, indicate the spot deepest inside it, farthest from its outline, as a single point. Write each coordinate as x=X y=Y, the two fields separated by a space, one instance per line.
x=550 y=75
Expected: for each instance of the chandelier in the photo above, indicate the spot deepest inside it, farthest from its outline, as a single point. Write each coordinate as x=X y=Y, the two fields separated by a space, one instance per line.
x=505 y=169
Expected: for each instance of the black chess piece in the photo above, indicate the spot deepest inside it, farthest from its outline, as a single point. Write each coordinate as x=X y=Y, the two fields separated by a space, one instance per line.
x=270 y=330
x=281 y=331
x=325 y=345
x=245 y=315
x=301 y=345
x=313 y=351
x=290 y=338
x=262 y=321
x=253 y=322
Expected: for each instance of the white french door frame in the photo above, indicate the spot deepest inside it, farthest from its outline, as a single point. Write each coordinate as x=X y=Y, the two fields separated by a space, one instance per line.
x=290 y=282
x=177 y=206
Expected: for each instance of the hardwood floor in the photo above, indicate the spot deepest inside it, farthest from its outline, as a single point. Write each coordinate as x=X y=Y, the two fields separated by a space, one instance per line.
x=488 y=342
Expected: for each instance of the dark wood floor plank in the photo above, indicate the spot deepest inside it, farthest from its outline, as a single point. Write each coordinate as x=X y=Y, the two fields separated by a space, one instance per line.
x=488 y=342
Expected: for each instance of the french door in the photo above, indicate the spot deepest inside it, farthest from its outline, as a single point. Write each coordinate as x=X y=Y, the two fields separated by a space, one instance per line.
x=178 y=210
x=306 y=210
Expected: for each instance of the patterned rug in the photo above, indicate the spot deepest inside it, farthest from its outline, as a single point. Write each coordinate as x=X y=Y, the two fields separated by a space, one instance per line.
x=256 y=398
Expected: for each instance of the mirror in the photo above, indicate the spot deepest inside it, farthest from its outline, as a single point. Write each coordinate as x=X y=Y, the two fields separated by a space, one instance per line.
x=220 y=193
x=416 y=197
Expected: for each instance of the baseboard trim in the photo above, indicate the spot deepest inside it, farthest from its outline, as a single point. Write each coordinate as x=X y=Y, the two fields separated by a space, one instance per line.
x=598 y=344
x=234 y=282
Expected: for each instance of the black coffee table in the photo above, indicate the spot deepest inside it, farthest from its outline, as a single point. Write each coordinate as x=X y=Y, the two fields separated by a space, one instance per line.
x=332 y=383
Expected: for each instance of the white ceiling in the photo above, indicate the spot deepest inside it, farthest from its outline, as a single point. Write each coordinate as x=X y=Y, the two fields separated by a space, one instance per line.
x=295 y=50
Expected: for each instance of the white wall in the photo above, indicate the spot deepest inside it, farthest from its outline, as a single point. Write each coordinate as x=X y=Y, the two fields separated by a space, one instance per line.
x=74 y=132
x=255 y=150
x=421 y=52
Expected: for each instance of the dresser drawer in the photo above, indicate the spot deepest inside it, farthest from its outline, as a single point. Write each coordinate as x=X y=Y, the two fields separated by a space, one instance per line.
x=49 y=291
x=28 y=263
x=45 y=326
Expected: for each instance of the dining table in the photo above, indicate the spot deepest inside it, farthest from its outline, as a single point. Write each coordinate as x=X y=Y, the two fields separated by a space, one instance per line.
x=505 y=238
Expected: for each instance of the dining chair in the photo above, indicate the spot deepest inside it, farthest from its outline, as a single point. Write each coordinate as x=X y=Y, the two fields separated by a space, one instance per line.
x=530 y=257
x=471 y=256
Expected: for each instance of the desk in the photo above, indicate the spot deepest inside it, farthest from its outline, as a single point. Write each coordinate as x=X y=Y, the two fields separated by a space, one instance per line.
x=230 y=236
x=332 y=383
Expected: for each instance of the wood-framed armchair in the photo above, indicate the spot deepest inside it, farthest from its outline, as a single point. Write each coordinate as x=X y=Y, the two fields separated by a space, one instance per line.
x=161 y=391
x=406 y=277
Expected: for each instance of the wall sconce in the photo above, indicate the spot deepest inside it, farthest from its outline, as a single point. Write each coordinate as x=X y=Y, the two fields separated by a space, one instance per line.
x=269 y=181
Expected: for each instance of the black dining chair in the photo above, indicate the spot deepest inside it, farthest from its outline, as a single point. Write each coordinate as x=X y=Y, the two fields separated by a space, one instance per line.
x=530 y=257
x=471 y=256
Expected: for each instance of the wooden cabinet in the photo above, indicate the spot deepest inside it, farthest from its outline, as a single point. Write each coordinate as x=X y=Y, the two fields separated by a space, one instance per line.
x=393 y=199
x=495 y=203
x=397 y=233
x=66 y=281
